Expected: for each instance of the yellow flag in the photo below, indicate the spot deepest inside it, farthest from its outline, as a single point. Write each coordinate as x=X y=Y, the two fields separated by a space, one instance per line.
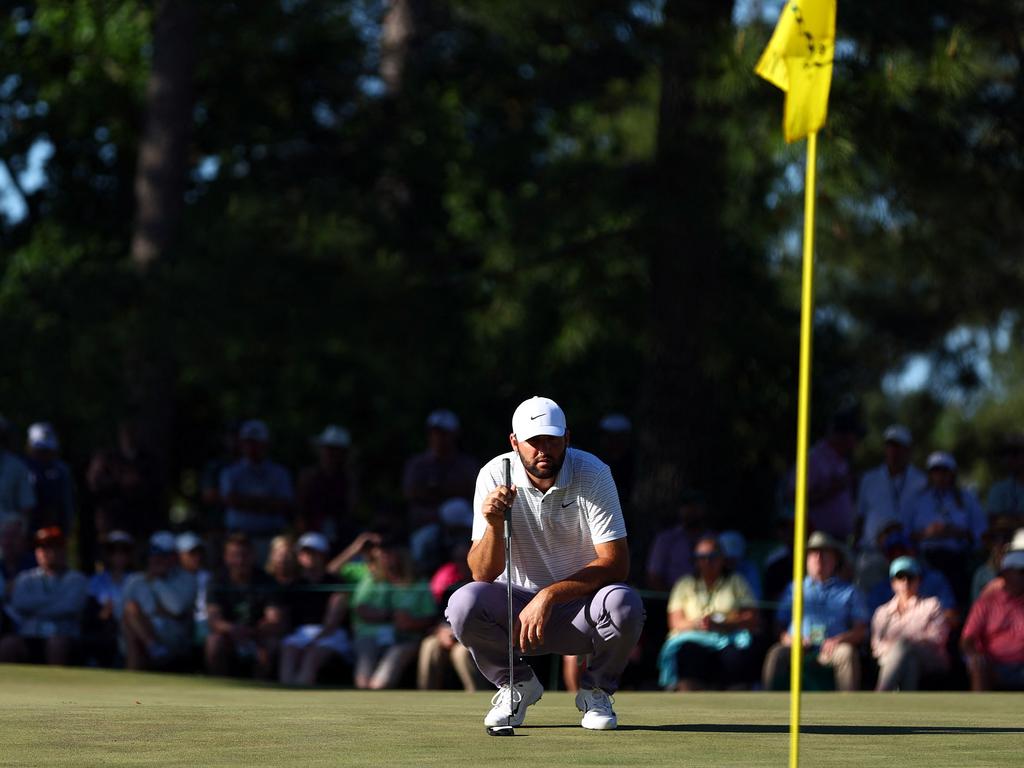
x=798 y=59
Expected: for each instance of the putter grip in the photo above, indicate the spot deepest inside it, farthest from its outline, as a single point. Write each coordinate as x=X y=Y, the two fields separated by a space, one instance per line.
x=508 y=484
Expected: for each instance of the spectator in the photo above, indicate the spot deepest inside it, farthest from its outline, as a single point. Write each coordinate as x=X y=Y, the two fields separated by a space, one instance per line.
x=431 y=542
x=993 y=637
x=191 y=554
x=390 y=615
x=326 y=491
x=51 y=480
x=244 y=615
x=47 y=603
x=710 y=620
x=15 y=556
x=671 y=551
x=159 y=605
x=996 y=543
x=257 y=492
x=908 y=633
x=931 y=583
x=1006 y=497
x=947 y=523
x=282 y=566
x=106 y=598
x=835 y=619
x=16 y=494
x=888 y=491
x=441 y=472
x=209 y=482
x=316 y=617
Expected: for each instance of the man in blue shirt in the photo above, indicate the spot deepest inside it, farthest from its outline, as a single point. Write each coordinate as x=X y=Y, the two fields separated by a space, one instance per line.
x=835 y=619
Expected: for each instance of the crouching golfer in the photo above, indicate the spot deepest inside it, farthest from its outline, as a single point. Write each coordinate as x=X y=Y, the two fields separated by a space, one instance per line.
x=569 y=562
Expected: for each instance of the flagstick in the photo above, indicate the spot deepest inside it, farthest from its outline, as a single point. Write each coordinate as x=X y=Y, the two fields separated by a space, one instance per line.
x=803 y=417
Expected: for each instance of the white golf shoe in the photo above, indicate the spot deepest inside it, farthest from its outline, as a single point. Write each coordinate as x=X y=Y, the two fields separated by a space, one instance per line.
x=596 y=706
x=523 y=694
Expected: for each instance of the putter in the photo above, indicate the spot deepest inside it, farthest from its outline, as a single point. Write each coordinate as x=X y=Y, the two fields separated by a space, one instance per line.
x=507 y=729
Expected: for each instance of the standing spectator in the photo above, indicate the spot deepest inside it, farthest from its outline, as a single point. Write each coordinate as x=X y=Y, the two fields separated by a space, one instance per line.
x=671 y=552
x=16 y=494
x=256 y=491
x=191 y=556
x=908 y=633
x=47 y=604
x=947 y=523
x=835 y=619
x=830 y=478
x=888 y=492
x=325 y=491
x=209 y=482
x=441 y=472
x=159 y=604
x=106 y=598
x=316 y=617
x=710 y=620
x=51 y=480
x=244 y=619
x=1006 y=497
x=993 y=637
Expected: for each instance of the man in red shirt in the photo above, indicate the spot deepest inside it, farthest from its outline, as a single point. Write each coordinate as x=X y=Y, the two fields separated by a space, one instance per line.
x=993 y=638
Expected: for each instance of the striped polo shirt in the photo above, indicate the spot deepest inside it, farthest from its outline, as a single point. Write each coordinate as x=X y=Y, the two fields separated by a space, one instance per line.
x=554 y=532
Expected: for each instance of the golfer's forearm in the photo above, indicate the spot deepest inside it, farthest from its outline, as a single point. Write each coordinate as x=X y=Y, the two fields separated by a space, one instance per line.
x=486 y=558
x=587 y=580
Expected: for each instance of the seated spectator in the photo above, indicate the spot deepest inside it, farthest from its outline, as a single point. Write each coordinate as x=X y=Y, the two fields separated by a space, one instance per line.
x=191 y=554
x=908 y=633
x=993 y=636
x=106 y=598
x=671 y=551
x=439 y=649
x=326 y=491
x=243 y=615
x=47 y=604
x=159 y=607
x=315 y=617
x=946 y=522
x=257 y=492
x=282 y=566
x=429 y=543
x=51 y=480
x=930 y=583
x=835 y=620
x=996 y=543
x=710 y=619
x=390 y=614
x=15 y=555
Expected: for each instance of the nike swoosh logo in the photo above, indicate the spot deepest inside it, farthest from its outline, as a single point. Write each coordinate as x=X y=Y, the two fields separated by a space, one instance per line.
x=536 y=417
x=569 y=504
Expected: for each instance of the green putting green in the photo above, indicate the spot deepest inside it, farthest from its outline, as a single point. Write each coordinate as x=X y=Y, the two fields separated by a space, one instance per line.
x=80 y=717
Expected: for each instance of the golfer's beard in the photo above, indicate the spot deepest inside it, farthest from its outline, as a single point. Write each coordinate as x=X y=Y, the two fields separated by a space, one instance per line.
x=556 y=465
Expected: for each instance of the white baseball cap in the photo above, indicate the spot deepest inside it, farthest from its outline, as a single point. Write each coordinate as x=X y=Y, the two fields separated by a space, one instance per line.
x=335 y=436
x=941 y=460
x=897 y=433
x=188 y=541
x=42 y=435
x=538 y=416
x=313 y=540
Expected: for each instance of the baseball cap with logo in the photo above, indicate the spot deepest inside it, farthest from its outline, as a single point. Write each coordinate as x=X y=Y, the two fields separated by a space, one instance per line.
x=538 y=416
x=897 y=433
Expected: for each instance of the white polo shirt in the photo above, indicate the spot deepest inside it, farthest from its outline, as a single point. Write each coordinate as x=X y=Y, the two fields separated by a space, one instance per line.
x=554 y=532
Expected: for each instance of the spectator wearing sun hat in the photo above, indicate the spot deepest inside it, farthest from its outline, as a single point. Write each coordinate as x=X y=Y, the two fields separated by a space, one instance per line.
x=257 y=492
x=947 y=523
x=51 y=479
x=908 y=633
x=993 y=637
x=47 y=604
x=326 y=491
x=888 y=491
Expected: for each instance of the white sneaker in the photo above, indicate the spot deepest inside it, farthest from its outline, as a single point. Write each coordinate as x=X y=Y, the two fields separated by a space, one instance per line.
x=596 y=706
x=524 y=694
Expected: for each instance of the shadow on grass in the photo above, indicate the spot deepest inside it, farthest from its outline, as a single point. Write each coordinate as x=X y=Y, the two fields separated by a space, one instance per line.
x=828 y=730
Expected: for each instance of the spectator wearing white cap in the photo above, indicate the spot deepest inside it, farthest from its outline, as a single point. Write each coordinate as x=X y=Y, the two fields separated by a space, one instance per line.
x=326 y=491
x=51 y=479
x=257 y=492
x=441 y=472
x=159 y=605
x=887 y=492
x=947 y=523
x=16 y=492
x=993 y=637
x=191 y=557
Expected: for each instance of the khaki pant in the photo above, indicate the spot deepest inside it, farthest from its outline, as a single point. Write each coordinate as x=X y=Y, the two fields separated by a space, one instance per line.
x=434 y=659
x=900 y=667
x=844 y=661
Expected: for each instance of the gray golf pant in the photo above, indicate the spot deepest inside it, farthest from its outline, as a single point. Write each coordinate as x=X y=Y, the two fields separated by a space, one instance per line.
x=606 y=626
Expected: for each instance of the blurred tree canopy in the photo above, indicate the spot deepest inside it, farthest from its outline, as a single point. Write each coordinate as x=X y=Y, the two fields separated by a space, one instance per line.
x=396 y=205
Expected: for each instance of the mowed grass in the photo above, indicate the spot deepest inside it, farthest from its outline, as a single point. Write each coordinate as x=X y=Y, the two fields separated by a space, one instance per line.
x=79 y=717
